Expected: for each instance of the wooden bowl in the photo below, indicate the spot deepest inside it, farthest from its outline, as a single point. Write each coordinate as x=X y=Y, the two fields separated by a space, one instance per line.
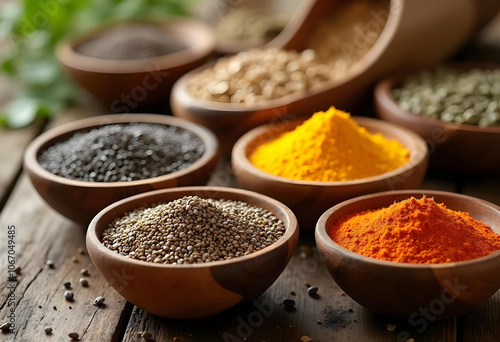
x=80 y=201
x=433 y=38
x=195 y=290
x=453 y=147
x=127 y=85
x=401 y=289
x=309 y=199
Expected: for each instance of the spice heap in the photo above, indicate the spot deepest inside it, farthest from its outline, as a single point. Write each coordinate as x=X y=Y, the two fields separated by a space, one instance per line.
x=330 y=146
x=193 y=230
x=131 y=41
x=263 y=74
x=123 y=152
x=415 y=231
x=243 y=25
x=471 y=97
x=349 y=33
x=257 y=75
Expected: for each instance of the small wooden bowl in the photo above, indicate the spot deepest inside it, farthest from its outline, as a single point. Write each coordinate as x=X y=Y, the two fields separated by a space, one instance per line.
x=130 y=84
x=309 y=199
x=196 y=290
x=80 y=201
x=402 y=289
x=460 y=148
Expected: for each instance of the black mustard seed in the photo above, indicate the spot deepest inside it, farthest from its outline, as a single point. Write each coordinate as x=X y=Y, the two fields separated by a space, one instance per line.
x=123 y=152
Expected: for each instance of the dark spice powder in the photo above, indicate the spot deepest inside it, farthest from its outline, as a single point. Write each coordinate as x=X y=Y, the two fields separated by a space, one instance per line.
x=123 y=152
x=131 y=41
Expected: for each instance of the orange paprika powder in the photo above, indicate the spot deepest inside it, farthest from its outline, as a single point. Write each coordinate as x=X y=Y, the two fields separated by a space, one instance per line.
x=415 y=231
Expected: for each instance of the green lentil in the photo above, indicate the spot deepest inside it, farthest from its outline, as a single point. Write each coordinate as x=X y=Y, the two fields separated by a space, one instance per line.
x=193 y=230
x=471 y=97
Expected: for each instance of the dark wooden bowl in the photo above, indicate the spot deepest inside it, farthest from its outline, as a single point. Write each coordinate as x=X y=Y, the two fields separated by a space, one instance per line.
x=309 y=199
x=402 y=289
x=196 y=290
x=453 y=147
x=126 y=85
x=80 y=201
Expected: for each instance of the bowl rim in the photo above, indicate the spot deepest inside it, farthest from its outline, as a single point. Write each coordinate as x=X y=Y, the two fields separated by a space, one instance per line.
x=212 y=108
x=51 y=136
x=240 y=147
x=290 y=230
x=384 y=98
x=67 y=55
x=322 y=235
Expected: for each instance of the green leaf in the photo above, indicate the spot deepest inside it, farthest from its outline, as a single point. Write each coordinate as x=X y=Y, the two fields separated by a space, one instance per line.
x=21 y=112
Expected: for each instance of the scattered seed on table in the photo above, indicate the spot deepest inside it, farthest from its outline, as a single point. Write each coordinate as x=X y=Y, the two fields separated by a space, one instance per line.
x=147 y=335
x=17 y=270
x=74 y=259
x=67 y=284
x=68 y=295
x=50 y=264
x=176 y=338
x=306 y=283
x=84 y=272
x=48 y=330
x=81 y=251
x=350 y=310
x=73 y=335
x=99 y=301
x=84 y=282
x=390 y=327
x=305 y=339
x=5 y=327
x=319 y=322
x=312 y=290
x=39 y=306
x=70 y=307
x=342 y=293
x=54 y=307
x=289 y=303
x=292 y=293
x=410 y=340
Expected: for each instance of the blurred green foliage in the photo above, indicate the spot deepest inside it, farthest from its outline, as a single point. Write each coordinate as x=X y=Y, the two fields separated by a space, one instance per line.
x=32 y=28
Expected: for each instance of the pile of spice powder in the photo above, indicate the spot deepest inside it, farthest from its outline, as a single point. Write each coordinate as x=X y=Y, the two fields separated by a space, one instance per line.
x=131 y=42
x=330 y=146
x=123 y=152
x=415 y=231
x=193 y=230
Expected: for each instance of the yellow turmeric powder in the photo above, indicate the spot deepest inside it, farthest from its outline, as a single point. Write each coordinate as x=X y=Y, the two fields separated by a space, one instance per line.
x=330 y=146
x=415 y=231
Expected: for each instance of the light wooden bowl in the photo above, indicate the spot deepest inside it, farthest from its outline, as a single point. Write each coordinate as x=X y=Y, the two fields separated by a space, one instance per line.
x=145 y=82
x=453 y=147
x=80 y=201
x=433 y=38
x=309 y=199
x=401 y=289
x=196 y=290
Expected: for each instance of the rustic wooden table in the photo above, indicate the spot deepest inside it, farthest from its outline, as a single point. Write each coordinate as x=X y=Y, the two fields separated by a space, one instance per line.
x=36 y=299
